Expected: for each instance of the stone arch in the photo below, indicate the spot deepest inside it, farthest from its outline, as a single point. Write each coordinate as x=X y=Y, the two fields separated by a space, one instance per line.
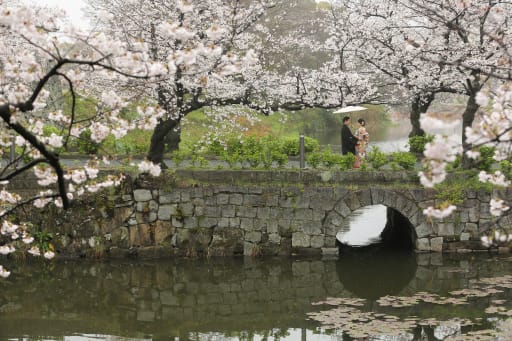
x=395 y=200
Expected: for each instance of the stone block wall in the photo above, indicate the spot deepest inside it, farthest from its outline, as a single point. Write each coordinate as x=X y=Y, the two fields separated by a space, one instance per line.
x=225 y=213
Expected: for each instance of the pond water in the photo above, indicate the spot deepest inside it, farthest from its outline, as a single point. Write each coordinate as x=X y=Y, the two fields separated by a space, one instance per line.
x=364 y=295
x=389 y=137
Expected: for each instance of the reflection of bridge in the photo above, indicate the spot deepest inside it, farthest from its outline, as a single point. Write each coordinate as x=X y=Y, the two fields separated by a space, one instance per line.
x=175 y=298
x=264 y=212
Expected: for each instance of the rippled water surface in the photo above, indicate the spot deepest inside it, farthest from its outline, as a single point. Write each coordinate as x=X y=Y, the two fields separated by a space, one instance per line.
x=366 y=294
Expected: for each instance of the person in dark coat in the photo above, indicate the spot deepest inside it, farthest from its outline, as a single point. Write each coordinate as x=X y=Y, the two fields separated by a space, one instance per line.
x=348 y=140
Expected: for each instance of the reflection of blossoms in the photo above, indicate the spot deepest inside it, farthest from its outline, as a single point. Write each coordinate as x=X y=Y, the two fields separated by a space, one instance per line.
x=34 y=251
x=6 y=249
x=3 y=272
x=496 y=239
x=49 y=254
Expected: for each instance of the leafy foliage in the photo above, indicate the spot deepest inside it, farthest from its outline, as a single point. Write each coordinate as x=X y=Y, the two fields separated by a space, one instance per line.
x=485 y=160
x=453 y=189
x=135 y=142
x=405 y=160
x=417 y=143
x=85 y=145
x=328 y=159
x=506 y=168
x=377 y=158
x=256 y=151
x=43 y=240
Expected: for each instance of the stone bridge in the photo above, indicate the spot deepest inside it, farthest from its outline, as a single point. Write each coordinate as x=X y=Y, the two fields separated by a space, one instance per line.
x=223 y=213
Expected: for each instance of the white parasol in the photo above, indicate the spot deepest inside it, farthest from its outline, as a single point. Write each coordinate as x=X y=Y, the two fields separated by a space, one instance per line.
x=350 y=108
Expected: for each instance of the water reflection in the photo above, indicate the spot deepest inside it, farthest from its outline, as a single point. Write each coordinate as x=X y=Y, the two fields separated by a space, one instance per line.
x=90 y=337
x=217 y=299
x=376 y=271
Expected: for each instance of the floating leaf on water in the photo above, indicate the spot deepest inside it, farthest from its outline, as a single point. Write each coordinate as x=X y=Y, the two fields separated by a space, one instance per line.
x=475 y=292
x=341 y=301
x=429 y=322
x=502 y=281
x=493 y=310
x=498 y=302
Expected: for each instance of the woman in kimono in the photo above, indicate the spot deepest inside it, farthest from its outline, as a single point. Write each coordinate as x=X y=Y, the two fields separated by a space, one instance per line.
x=363 y=138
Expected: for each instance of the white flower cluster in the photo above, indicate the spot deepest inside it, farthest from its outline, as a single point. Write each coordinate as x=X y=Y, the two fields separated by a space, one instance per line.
x=12 y=232
x=497 y=207
x=439 y=213
x=437 y=154
x=149 y=167
x=494 y=127
x=498 y=178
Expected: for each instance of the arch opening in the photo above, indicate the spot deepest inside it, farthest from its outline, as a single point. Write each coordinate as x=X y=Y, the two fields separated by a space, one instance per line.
x=376 y=225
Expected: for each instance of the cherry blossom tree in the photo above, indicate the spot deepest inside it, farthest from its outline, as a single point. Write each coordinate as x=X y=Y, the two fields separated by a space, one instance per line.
x=38 y=49
x=385 y=37
x=393 y=53
x=338 y=77
x=422 y=48
x=249 y=34
x=477 y=43
x=42 y=53
x=173 y=29
x=464 y=34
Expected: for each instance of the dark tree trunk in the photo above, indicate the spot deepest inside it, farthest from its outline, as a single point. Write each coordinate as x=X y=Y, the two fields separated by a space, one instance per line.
x=157 y=146
x=467 y=121
x=473 y=86
x=173 y=139
x=420 y=105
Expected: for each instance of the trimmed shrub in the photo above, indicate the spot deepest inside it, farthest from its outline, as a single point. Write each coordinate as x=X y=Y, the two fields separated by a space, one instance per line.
x=485 y=160
x=417 y=143
x=377 y=158
x=405 y=160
